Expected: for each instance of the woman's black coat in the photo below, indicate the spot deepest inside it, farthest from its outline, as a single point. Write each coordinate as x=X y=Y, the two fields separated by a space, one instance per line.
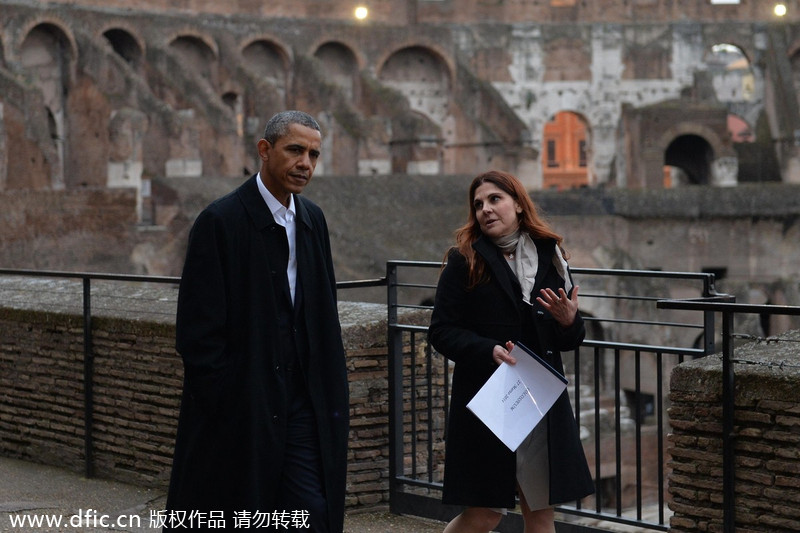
x=232 y=427
x=480 y=471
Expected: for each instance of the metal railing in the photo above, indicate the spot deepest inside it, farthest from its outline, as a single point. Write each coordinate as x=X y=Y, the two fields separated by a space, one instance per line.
x=85 y=298
x=624 y=329
x=70 y=301
x=620 y=307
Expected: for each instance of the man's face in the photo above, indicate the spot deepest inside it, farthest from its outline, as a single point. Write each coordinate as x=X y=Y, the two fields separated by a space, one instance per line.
x=287 y=166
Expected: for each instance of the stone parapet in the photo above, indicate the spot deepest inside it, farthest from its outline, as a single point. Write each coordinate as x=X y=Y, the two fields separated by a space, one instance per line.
x=766 y=439
x=137 y=381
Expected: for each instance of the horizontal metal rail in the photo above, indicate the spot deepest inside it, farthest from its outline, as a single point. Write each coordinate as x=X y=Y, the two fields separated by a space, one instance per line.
x=88 y=275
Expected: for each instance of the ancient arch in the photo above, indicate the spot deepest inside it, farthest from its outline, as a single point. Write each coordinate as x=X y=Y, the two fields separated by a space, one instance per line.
x=699 y=142
x=352 y=48
x=340 y=65
x=191 y=34
x=198 y=56
x=58 y=26
x=733 y=78
x=691 y=156
x=268 y=60
x=422 y=76
x=47 y=57
x=566 y=152
x=128 y=46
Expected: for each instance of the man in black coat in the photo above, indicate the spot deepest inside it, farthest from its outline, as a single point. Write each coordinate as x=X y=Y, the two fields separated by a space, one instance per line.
x=263 y=428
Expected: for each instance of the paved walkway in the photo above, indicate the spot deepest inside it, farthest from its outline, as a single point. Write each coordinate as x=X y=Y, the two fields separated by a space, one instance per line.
x=40 y=492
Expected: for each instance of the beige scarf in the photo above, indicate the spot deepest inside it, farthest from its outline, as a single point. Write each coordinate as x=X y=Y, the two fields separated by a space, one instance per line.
x=526 y=261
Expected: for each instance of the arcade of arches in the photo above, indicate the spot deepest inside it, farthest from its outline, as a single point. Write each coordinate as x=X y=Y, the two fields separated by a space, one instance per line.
x=121 y=110
x=123 y=96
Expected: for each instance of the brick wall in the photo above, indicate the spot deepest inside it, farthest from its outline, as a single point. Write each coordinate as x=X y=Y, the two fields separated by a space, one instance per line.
x=41 y=378
x=137 y=385
x=767 y=429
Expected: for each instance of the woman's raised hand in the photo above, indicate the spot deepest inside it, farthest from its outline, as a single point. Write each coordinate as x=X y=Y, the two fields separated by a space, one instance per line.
x=560 y=306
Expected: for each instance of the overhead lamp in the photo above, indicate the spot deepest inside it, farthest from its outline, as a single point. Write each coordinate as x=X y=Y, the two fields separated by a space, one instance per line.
x=361 y=12
x=779 y=10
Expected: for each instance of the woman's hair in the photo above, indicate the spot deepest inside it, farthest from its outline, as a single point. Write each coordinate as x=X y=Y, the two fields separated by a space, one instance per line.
x=529 y=222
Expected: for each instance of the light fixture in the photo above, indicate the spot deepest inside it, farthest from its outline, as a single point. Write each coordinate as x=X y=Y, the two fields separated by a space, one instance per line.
x=779 y=10
x=361 y=12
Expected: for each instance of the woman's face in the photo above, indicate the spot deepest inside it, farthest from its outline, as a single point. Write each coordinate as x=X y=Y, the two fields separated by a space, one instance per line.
x=495 y=210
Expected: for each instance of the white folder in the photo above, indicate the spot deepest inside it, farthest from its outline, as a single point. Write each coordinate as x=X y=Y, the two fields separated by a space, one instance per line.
x=516 y=397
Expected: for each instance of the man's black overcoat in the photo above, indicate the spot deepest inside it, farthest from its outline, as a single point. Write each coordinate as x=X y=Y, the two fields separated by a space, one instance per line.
x=480 y=471
x=232 y=426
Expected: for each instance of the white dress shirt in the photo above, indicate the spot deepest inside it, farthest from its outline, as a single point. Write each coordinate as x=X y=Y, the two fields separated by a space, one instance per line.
x=285 y=216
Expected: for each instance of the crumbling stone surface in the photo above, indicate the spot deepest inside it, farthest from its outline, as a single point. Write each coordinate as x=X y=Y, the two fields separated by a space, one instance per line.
x=766 y=437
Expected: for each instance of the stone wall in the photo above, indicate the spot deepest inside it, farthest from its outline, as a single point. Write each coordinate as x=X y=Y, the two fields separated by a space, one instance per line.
x=78 y=229
x=129 y=93
x=415 y=11
x=137 y=381
x=767 y=434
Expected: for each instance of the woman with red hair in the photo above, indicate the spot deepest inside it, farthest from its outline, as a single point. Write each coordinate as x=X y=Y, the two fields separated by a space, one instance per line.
x=506 y=280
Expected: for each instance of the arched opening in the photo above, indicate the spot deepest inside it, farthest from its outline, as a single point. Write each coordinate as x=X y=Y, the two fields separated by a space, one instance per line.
x=340 y=66
x=422 y=77
x=688 y=161
x=266 y=60
x=46 y=57
x=731 y=74
x=197 y=56
x=565 y=159
x=125 y=46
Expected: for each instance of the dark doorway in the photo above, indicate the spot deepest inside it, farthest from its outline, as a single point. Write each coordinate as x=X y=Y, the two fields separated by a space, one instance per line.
x=692 y=155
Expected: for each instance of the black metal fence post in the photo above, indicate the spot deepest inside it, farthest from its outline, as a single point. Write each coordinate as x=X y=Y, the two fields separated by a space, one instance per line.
x=88 y=377
x=728 y=407
x=395 y=375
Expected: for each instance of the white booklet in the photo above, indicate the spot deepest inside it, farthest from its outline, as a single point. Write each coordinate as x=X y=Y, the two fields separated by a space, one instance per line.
x=516 y=397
